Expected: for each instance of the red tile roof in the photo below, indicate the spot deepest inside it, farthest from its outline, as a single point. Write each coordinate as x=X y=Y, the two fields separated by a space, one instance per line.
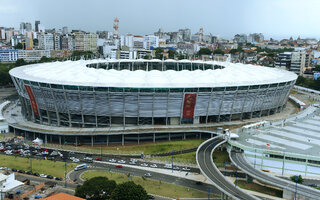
x=63 y=196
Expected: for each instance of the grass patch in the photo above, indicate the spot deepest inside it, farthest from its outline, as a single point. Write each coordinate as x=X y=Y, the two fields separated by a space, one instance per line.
x=54 y=168
x=146 y=148
x=260 y=188
x=220 y=157
x=187 y=158
x=150 y=185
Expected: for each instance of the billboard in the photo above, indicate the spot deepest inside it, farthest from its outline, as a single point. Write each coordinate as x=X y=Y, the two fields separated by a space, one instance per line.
x=189 y=105
x=32 y=100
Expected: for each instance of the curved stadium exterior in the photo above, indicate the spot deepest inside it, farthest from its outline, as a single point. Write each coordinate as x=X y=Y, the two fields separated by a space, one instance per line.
x=122 y=93
x=140 y=92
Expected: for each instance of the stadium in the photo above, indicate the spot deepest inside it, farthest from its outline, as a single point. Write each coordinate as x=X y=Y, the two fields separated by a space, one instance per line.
x=116 y=94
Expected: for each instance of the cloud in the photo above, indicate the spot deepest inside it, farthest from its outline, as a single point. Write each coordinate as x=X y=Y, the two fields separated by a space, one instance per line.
x=7 y=8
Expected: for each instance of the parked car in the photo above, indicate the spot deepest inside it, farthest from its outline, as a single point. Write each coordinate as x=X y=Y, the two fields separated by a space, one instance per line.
x=14 y=170
x=132 y=162
x=112 y=160
x=150 y=196
x=147 y=175
x=144 y=165
x=118 y=166
x=98 y=159
x=36 y=174
x=29 y=172
x=121 y=161
x=21 y=171
x=88 y=159
x=49 y=177
x=153 y=166
x=186 y=169
x=58 y=179
x=43 y=175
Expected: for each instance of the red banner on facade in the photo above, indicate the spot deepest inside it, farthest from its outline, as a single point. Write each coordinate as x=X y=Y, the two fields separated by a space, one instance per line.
x=32 y=100
x=189 y=105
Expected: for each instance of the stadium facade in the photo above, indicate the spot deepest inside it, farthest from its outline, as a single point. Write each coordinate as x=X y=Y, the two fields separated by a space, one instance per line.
x=122 y=93
x=140 y=96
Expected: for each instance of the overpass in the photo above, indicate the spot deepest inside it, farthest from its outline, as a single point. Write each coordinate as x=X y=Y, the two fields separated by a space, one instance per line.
x=304 y=191
x=207 y=167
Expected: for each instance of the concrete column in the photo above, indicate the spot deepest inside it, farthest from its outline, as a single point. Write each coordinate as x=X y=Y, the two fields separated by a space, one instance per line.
x=14 y=131
x=34 y=135
x=92 y=141
x=50 y=138
x=184 y=136
x=138 y=138
x=45 y=138
x=76 y=140
x=122 y=140
x=169 y=136
x=107 y=140
x=60 y=139
x=154 y=137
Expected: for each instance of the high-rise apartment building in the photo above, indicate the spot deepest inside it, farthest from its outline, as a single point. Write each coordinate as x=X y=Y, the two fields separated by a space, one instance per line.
x=298 y=62
x=28 y=27
x=85 y=41
x=64 y=30
x=36 y=26
x=46 y=41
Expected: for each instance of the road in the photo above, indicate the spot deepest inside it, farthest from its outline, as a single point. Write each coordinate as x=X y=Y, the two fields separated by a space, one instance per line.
x=239 y=159
x=208 y=169
x=165 y=177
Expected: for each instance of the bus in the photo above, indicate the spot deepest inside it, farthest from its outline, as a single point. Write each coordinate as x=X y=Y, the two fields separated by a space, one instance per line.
x=82 y=166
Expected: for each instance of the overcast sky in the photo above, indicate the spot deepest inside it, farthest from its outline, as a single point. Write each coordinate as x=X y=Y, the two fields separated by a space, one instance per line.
x=224 y=18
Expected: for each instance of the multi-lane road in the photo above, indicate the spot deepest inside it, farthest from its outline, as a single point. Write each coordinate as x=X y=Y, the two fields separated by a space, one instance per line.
x=239 y=160
x=208 y=169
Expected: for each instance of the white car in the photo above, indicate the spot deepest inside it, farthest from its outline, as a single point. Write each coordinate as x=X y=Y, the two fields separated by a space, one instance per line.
x=76 y=160
x=121 y=162
x=8 y=152
x=43 y=176
x=112 y=160
x=176 y=168
x=132 y=162
x=147 y=175
x=186 y=169
x=153 y=166
x=144 y=165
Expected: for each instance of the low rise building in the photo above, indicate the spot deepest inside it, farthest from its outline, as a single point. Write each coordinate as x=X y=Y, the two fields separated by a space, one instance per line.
x=8 y=55
x=33 y=55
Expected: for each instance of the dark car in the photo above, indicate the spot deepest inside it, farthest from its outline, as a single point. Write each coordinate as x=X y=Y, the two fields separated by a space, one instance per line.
x=21 y=171
x=49 y=177
x=199 y=183
x=150 y=196
x=36 y=174
x=29 y=173
x=14 y=170
x=58 y=179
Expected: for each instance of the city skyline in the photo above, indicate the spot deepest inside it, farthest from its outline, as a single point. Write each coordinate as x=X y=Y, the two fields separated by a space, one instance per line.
x=277 y=19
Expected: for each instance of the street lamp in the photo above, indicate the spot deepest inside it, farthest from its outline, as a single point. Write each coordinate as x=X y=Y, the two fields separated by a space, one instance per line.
x=172 y=160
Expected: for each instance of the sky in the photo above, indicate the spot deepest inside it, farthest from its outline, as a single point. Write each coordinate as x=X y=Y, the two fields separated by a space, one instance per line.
x=224 y=18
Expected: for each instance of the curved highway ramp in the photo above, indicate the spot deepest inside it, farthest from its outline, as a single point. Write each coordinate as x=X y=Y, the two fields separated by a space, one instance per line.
x=240 y=161
x=212 y=173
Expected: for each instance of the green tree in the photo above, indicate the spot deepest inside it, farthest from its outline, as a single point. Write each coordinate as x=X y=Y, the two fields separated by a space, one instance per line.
x=45 y=59
x=159 y=53
x=172 y=53
x=297 y=179
x=35 y=42
x=129 y=190
x=97 y=188
x=204 y=51
x=18 y=46
x=20 y=62
x=218 y=51
x=317 y=68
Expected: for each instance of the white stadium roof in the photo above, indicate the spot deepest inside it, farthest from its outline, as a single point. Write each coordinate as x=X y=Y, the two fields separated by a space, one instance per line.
x=76 y=73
